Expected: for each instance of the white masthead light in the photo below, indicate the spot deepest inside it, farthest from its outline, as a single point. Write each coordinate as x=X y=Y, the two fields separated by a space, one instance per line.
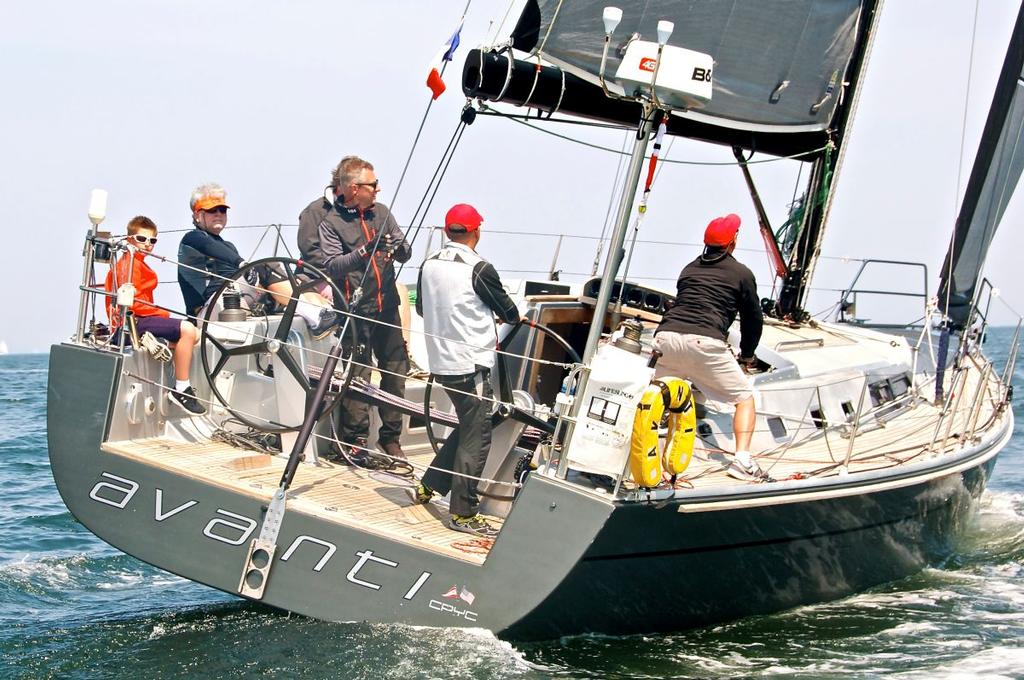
x=665 y=29
x=612 y=16
x=97 y=206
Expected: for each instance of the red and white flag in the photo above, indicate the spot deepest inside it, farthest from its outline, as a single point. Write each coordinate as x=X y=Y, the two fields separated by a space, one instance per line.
x=466 y=596
x=446 y=53
x=452 y=593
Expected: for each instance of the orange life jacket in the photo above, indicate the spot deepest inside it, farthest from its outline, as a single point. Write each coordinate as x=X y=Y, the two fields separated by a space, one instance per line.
x=145 y=281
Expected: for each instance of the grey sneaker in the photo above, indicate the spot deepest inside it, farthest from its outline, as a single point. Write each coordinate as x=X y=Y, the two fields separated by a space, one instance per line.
x=187 y=400
x=326 y=325
x=750 y=472
x=475 y=525
x=421 y=493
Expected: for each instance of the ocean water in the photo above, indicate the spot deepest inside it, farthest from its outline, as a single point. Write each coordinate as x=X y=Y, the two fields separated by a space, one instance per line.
x=73 y=607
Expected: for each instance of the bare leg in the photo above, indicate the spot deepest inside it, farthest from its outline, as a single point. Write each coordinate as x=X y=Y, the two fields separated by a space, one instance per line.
x=281 y=291
x=743 y=423
x=183 y=351
x=403 y=310
x=316 y=299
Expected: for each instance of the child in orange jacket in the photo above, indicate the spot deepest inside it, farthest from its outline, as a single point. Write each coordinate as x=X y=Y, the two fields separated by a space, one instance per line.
x=180 y=334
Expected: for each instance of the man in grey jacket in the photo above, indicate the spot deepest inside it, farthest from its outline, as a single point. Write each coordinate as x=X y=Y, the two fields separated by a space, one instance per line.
x=356 y=241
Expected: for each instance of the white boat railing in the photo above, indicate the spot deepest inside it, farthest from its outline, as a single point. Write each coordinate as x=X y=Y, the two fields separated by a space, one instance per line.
x=952 y=409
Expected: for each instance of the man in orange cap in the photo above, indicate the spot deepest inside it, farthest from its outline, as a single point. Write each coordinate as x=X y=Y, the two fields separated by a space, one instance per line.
x=458 y=296
x=693 y=334
x=206 y=260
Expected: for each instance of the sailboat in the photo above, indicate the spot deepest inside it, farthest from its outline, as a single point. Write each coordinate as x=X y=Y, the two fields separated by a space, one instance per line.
x=3 y=347
x=878 y=440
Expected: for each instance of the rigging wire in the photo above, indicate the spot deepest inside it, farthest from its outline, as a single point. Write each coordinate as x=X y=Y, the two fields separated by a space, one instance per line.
x=439 y=174
x=456 y=134
x=485 y=110
x=491 y=112
x=653 y=173
x=960 y=160
x=619 y=167
x=497 y=32
x=551 y=26
x=426 y=112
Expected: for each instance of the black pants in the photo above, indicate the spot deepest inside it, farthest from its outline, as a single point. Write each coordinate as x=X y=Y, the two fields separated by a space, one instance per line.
x=386 y=345
x=465 y=450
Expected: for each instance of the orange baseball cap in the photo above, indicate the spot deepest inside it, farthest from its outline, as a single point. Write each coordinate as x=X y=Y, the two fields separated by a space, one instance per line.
x=212 y=201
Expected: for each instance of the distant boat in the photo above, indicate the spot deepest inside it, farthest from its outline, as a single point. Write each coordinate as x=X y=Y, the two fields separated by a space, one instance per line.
x=3 y=347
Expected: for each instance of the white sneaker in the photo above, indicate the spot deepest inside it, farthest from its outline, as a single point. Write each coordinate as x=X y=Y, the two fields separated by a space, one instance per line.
x=748 y=472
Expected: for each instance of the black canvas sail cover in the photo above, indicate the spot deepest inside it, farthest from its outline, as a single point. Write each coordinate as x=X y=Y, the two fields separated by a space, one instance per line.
x=997 y=168
x=779 y=65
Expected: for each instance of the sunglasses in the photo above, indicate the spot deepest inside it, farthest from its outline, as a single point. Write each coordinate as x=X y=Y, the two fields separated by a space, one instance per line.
x=139 y=238
x=372 y=184
x=222 y=209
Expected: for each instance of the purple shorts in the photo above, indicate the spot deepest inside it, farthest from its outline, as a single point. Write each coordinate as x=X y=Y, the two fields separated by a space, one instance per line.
x=159 y=326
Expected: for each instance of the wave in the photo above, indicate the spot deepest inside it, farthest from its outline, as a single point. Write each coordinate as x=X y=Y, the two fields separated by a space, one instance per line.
x=994 y=664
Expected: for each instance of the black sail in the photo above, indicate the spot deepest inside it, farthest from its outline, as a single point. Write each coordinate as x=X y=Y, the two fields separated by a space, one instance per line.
x=997 y=168
x=779 y=64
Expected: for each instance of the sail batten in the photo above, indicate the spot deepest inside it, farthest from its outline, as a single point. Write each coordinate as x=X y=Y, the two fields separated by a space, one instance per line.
x=994 y=176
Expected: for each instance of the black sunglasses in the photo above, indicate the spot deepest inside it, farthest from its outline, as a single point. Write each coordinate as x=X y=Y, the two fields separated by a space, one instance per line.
x=139 y=238
x=373 y=184
x=222 y=209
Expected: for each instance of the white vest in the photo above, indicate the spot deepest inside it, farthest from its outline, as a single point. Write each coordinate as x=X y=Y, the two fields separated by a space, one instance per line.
x=452 y=311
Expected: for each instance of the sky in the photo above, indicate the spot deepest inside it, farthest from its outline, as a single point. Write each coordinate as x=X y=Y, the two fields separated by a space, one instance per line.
x=149 y=99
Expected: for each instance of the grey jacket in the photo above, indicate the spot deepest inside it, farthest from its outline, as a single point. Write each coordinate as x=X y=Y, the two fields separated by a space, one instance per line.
x=330 y=238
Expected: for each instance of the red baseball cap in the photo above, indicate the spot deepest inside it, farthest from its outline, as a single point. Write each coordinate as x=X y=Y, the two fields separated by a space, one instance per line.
x=722 y=230
x=463 y=215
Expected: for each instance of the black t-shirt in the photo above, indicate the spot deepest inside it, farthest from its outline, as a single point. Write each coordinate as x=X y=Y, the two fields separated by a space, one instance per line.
x=710 y=292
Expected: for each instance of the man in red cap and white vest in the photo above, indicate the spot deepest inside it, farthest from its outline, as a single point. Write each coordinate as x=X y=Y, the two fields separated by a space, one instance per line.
x=459 y=295
x=692 y=336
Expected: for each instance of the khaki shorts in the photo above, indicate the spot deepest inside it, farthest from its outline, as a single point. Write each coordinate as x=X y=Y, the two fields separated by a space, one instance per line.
x=706 y=362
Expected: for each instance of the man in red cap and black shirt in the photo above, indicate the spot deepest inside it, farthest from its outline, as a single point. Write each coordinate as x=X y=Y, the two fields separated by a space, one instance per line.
x=458 y=295
x=693 y=334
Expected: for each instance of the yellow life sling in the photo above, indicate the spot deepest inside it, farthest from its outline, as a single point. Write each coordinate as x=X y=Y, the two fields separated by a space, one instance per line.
x=645 y=460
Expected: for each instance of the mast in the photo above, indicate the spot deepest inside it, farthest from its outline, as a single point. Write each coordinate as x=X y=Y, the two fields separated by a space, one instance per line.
x=618 y=237
x=648 y=97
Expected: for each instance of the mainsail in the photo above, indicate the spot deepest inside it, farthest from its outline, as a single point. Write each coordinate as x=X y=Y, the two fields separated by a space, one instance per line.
x=779 y=64
x=997 y=168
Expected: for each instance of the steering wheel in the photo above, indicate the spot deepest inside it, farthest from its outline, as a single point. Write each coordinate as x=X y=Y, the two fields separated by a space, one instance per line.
x=501 y=365
x=505 y=391
x=303 y=278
